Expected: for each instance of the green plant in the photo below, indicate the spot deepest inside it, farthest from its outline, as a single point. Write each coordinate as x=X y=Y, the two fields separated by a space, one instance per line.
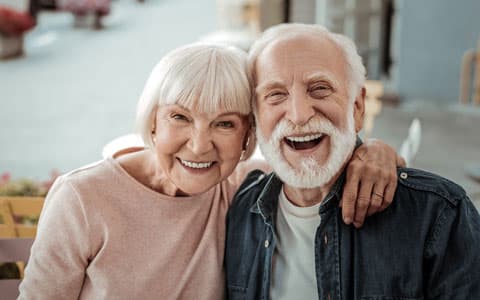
x=21 y=187
x=26 y=187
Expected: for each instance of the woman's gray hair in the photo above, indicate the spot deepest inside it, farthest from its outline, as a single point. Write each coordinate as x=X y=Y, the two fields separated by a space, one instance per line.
x=355 y=67
x=201 y=77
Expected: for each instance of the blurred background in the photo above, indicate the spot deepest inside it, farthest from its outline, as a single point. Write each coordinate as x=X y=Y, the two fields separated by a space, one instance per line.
x=71 y=72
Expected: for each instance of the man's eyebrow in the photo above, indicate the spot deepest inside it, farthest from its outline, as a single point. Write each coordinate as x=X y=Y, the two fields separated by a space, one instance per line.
x=269 y=85
x=320 y=76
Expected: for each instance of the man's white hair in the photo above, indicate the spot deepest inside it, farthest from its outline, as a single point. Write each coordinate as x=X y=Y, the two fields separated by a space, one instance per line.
x=355 y=68
x=201 y=77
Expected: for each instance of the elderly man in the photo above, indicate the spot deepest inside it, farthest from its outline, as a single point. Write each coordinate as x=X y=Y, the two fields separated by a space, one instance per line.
x=285 y=237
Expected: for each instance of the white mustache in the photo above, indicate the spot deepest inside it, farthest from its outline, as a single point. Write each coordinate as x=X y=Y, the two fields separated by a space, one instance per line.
x=315 y=125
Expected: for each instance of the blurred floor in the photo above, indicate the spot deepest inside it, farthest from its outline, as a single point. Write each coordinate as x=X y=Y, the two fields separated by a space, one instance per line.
x=76 y=89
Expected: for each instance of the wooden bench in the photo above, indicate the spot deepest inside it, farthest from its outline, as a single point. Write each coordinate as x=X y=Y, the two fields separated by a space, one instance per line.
x=13 y=209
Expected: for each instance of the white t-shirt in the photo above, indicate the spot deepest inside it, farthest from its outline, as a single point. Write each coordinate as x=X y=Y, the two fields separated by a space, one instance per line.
x=293 y=274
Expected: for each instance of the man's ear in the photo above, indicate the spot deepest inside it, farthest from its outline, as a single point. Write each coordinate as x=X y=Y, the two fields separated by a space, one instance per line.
x=359 y=109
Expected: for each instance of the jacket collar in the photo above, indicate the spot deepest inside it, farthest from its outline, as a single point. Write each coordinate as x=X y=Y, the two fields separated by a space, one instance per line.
x=267 y=202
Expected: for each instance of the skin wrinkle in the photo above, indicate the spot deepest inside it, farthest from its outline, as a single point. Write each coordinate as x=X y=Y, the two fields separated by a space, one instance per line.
x=298 y=110
x=321 y=76
x=195 y=137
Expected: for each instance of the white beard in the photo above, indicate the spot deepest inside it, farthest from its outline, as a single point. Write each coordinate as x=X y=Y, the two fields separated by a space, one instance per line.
x=309 y=173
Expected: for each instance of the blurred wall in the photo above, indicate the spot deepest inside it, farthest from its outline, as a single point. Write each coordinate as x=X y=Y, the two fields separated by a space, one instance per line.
x=429 y=40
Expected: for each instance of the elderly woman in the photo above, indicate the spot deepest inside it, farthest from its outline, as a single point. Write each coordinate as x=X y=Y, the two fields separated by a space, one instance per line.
x=150 y=224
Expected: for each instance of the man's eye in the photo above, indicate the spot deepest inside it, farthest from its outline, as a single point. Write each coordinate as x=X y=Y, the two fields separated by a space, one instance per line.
x=320 y=91
x=275 y=96
x=225 y=124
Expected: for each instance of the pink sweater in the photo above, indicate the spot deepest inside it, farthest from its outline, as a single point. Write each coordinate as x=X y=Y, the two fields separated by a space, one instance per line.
x=103 y=235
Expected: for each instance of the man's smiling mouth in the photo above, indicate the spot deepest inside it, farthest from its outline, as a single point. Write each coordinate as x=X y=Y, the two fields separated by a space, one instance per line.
x=304 y=142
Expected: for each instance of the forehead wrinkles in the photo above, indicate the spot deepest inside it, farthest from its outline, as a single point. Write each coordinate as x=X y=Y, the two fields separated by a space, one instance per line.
x=274 y=69
x=301 y=52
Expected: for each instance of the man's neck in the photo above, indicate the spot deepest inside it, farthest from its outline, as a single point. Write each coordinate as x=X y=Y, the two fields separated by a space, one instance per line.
x=305 y=197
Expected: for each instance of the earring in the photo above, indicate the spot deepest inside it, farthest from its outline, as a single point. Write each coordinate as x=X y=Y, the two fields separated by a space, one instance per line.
x=154 y=138
x=246 y=144
x=242 y=155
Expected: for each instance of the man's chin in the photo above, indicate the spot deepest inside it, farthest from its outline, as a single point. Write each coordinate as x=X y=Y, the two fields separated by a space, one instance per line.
x=309 y=173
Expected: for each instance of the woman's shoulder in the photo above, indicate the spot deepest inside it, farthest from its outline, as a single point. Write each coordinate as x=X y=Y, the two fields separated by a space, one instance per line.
x=95 y=171
x=70 y=191
x=90 y=181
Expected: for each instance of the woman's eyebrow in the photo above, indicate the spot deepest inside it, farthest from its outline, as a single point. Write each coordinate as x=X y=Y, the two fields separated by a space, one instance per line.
x=178 y=106
x=227 y=114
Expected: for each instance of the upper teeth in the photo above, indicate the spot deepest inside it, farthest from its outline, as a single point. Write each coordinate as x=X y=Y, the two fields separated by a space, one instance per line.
x=195 y=165
x=306 y=138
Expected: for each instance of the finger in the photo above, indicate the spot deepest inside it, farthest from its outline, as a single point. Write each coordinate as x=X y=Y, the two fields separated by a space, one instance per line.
x=349 y=197
x=389 y=194
x=400 y=162
x=363 y=202
x=377 y=197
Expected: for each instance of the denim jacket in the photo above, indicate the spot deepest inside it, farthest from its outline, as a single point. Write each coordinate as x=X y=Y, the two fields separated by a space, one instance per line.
x=425 y=245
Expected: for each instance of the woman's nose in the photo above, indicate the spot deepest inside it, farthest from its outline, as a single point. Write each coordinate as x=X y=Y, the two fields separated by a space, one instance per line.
x=201 y=141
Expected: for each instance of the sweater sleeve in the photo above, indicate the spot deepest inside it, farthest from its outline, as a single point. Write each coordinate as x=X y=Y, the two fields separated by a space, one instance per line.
x=61 y=251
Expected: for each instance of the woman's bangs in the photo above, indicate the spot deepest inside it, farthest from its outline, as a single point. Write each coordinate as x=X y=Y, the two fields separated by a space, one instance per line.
x=208 y=90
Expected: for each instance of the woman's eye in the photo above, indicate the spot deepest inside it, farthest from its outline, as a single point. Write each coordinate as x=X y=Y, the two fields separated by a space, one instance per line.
x=179 y=117
x=225 y=124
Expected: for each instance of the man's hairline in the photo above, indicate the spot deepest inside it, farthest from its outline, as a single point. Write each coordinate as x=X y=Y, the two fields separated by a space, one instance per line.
x=327 y=34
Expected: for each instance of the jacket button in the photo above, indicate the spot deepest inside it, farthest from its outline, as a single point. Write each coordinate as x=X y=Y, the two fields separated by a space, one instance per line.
x=403 y=175
x=267 y=243
x=325 y=239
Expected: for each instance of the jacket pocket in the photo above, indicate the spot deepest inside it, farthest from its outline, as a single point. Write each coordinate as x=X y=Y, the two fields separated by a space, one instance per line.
x=236 y=292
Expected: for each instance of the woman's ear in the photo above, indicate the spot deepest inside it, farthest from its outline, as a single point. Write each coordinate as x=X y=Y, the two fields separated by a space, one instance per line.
x=154 y=129
x=249 y=142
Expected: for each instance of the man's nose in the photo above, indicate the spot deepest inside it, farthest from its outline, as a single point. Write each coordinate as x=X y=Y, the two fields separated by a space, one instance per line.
x=301 y=110
x=201 y=141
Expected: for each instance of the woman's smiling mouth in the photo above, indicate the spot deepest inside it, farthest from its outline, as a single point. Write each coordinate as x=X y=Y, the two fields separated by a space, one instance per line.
x=196 y=165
